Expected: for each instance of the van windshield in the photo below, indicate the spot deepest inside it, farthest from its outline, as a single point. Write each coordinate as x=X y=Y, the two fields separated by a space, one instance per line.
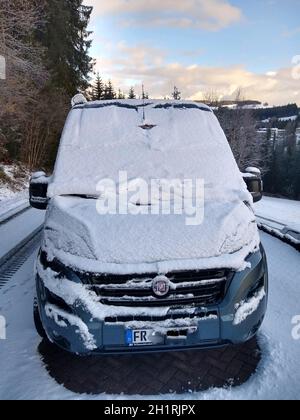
x=160 y=140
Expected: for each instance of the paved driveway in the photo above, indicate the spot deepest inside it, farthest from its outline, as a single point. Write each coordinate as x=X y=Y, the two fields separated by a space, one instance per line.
x=152 y=374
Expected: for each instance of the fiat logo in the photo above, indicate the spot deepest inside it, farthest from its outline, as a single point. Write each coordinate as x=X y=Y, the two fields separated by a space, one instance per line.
x=161 y=286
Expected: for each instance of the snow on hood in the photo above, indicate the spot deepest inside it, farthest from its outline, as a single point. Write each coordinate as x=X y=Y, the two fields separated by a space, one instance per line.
x=101 y=139
x=122 y=244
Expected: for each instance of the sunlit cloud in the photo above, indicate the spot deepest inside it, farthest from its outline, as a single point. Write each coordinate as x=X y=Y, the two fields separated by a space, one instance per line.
x=211 y=15
x=140 y=64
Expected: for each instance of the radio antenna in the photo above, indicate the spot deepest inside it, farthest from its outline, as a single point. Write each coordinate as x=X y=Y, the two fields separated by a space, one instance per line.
x=143 y=96
x=145 y=126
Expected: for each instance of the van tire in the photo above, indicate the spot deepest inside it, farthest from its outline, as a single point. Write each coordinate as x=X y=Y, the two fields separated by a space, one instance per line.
x=37 y=321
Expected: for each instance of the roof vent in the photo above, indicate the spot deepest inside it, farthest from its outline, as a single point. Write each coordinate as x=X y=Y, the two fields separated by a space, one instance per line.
x=78 y=99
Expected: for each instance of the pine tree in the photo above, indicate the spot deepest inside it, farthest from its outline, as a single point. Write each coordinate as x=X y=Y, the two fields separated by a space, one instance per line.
x=131 y=94
x=121 y=94
x=98 y=89
x=176 y=95
x=67 y=42
x=145 y=95
x=296 y=176
x=48 y=48
x=272 y=177
x=109 y=91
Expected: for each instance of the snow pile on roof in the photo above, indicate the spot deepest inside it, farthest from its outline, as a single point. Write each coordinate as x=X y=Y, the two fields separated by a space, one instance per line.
x=101 y=139
x=292 y=118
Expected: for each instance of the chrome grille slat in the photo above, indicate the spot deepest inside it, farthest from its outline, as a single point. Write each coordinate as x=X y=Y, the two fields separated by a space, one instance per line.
x=170 y=297
x=142 y=288
x=145 y=318
x=160 y=302
x=202 y=288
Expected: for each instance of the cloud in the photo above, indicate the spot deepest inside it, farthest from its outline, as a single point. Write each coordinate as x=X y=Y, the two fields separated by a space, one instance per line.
x=134 y=65
x=211 y=15
x=289 y=33
x=192 y=54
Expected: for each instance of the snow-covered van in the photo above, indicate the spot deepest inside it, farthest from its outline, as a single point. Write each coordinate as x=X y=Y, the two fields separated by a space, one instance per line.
x=150 y=240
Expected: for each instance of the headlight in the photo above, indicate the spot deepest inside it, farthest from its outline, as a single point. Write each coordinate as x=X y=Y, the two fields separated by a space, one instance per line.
x=56 y=266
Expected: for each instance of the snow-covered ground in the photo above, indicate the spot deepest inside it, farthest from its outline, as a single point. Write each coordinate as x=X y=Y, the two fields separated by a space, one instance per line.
x=7 y=193
x=280 y=217
x=293 y=118
x=13 y=187
x=286 y=212
x=23 y=375
x=14 y=201
x=18 y=229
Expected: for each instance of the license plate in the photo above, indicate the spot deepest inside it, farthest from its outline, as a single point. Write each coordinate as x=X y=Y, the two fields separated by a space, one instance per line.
x=139 y=337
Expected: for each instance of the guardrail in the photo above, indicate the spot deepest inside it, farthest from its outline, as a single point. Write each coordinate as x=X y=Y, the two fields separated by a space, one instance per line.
x=280 y=231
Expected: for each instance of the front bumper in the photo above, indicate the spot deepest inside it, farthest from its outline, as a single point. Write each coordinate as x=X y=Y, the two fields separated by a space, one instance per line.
x=72 y=327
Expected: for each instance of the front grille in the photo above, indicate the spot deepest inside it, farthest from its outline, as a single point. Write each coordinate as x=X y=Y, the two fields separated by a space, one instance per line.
x=170 y=317
x=201 y=288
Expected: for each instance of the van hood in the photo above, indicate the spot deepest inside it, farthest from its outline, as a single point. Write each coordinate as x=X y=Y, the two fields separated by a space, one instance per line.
x=80 y=238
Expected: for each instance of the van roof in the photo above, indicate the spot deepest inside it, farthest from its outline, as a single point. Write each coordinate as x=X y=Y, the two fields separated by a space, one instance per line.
x=137 y=104
x=182 y=140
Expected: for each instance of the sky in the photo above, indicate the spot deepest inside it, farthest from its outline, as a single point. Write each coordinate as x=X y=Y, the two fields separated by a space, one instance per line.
x=201 y=46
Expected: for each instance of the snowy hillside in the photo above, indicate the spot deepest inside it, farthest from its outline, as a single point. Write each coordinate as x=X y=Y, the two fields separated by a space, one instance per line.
x=13 y=180
x=13 y=187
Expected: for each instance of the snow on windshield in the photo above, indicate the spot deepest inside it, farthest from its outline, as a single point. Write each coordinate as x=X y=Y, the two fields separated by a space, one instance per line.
x=182 y=140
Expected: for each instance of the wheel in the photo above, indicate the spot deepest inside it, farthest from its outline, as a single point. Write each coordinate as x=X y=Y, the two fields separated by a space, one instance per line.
x=37 y=321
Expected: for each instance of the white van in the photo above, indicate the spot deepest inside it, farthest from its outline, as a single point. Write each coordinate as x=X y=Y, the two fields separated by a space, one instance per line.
x=150 y=241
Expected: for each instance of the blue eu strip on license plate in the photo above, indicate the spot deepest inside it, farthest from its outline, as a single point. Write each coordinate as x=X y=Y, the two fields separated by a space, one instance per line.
x=138 y=337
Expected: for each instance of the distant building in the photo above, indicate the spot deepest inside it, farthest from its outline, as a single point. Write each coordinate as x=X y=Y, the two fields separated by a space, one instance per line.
x=277 y=136
x=298 y=138
x=262 y=134
x=280 y=136
x=231 y=104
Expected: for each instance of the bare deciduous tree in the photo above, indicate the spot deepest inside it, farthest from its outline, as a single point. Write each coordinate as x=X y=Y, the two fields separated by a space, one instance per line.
x=42 y=128
x=211 y=98
x=25 y=72
x=248 y=148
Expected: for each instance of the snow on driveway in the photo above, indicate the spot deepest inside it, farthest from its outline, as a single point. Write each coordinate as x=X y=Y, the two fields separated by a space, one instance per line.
x=23 y=375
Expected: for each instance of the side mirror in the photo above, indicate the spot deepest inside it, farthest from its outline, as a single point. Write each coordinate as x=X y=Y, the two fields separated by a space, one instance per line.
x=253 y=180
x=38 y=190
